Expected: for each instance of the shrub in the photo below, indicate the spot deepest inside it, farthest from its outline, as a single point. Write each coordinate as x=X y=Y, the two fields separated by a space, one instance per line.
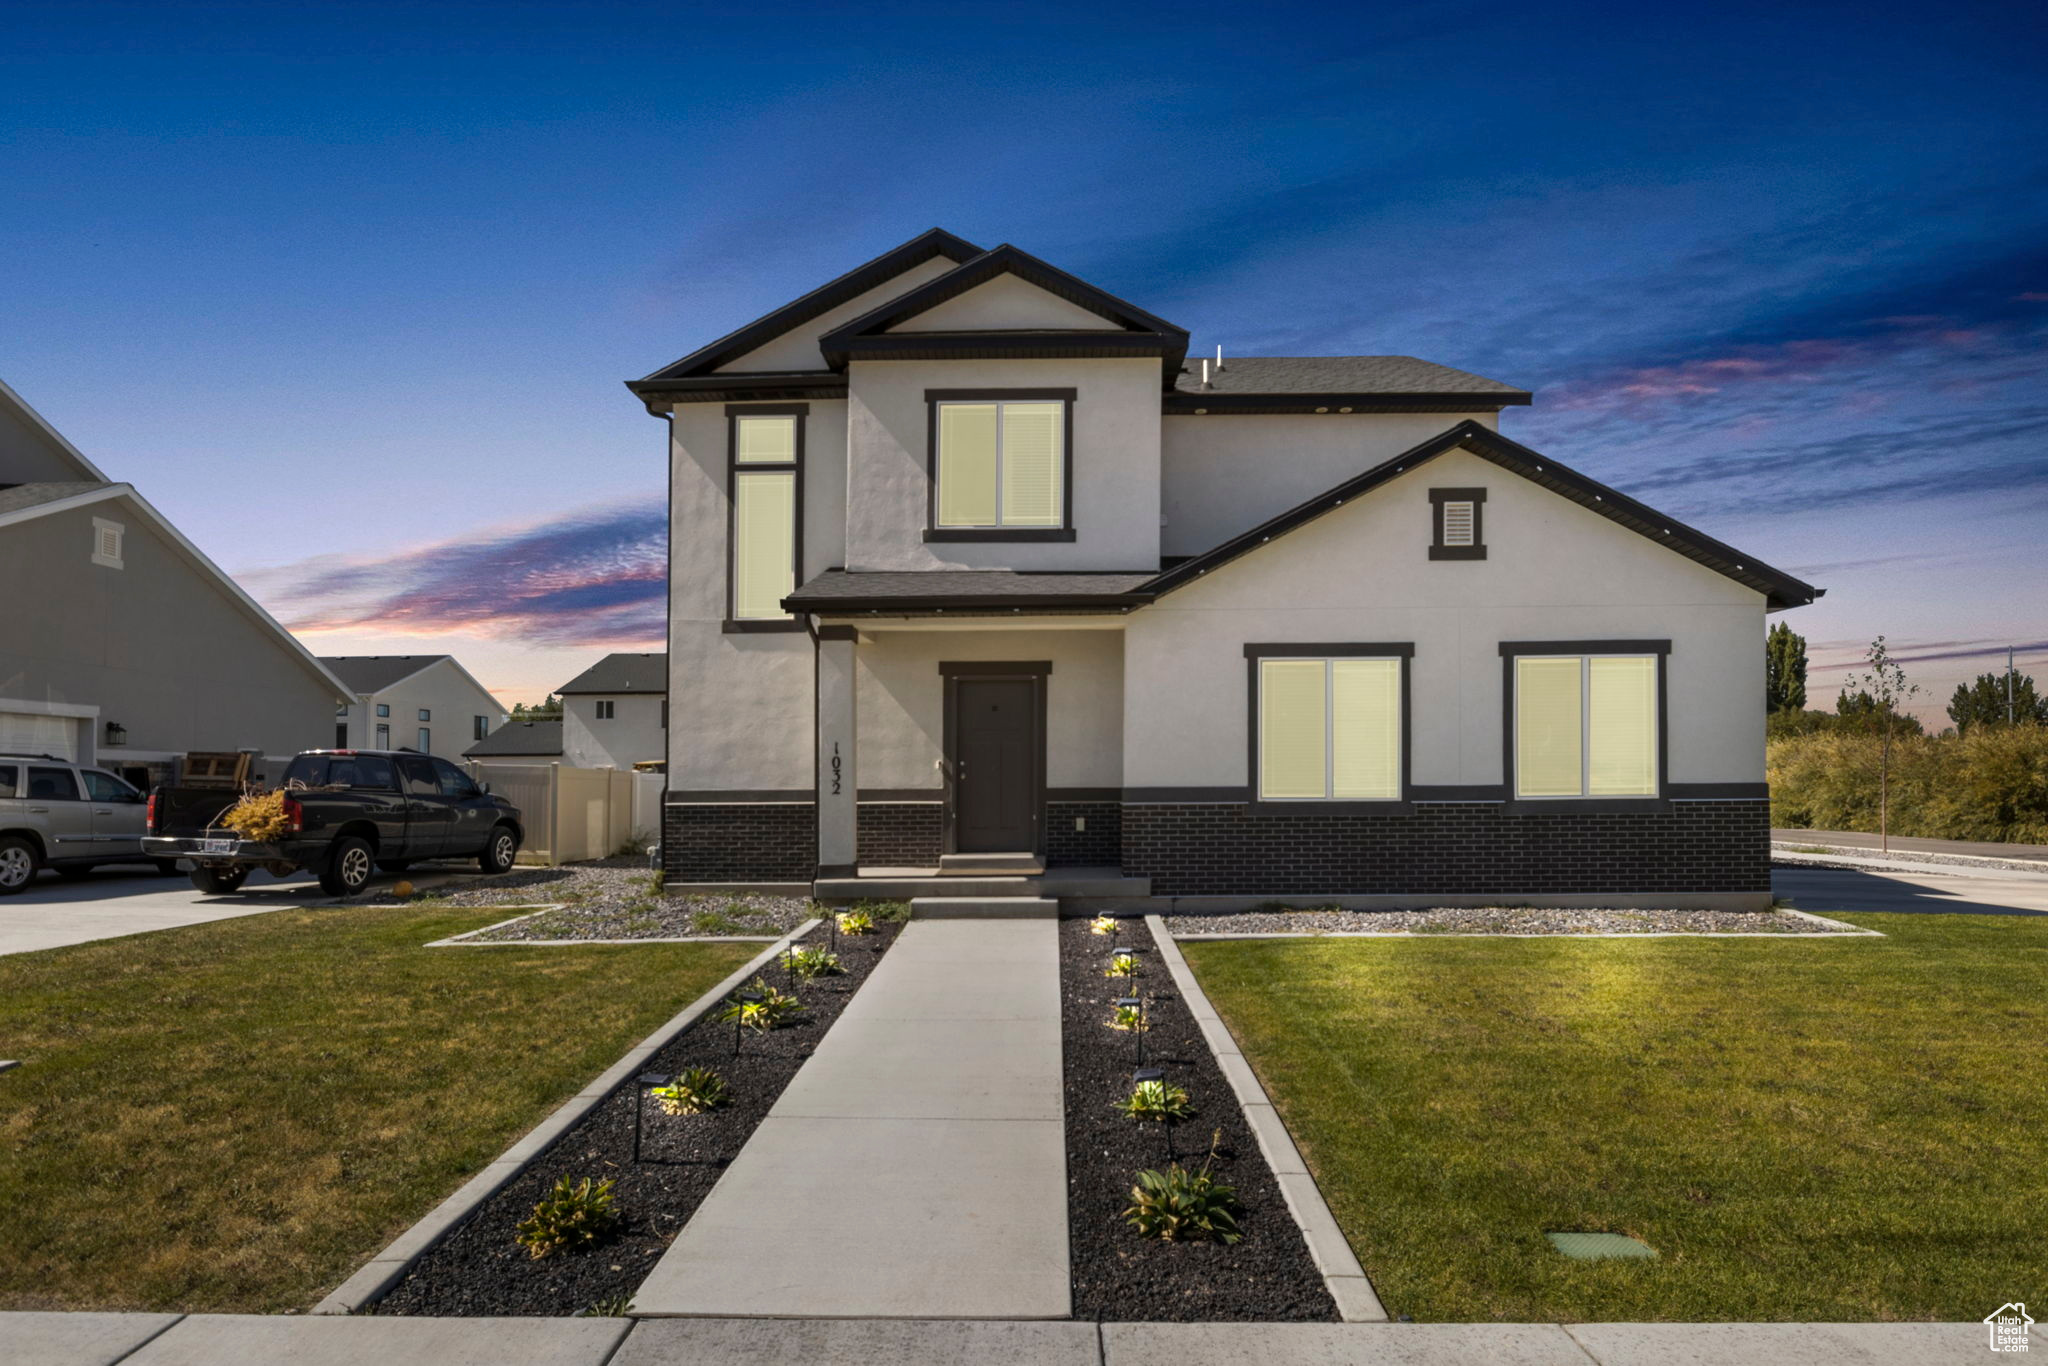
x=693 y=1091
x=717 y=922
x=1988 y=784
x=1102 y=924
x=856 y=921
x=259 y=817
x=773 y=1010
x=1156 y=1100
x=1122 y=965
x=813 y=962
x=1180 y=1206
x=1130 y=1019
x=571 y=1217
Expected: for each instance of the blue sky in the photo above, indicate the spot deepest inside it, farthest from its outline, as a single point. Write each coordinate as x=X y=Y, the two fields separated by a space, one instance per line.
x=349 y=291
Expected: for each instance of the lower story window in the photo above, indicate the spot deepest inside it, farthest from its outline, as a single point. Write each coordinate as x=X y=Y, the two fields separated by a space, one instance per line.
x=1329 y=729
x=1586 y=725
x=479 y=727
x=426 y=744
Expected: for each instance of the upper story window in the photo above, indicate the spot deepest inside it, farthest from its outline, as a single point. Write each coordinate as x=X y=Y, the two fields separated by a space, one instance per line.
x=1588 y=718
x=1458 y=516
x=767 y=514
x=1329 y=722
x=1001 y=464
x=426 y=714
x=605 y=710
x=479 y=727
x=383 y=709
x=106 y=542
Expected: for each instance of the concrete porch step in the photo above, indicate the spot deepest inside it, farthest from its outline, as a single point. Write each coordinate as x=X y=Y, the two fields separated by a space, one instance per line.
x=990 y=865
x=905 y=884
x=984 y=908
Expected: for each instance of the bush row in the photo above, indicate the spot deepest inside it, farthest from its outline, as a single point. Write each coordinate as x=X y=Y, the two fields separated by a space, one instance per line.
x=1988 y=784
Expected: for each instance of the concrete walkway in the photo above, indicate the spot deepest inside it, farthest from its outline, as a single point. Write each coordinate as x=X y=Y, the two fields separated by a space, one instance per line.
x=1909 y=844
x=916 y=1167
x=236 y=1340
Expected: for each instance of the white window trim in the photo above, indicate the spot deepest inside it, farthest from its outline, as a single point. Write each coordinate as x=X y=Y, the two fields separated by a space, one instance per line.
x=1585 y=792
x=101 y=528
x=1257 y=721
x=1060 y=466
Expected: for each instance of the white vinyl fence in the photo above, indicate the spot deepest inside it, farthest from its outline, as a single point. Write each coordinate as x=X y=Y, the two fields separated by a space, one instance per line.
x=572 y=814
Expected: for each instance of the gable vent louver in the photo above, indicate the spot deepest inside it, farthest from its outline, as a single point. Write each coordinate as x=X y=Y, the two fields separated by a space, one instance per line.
x=1458 y=524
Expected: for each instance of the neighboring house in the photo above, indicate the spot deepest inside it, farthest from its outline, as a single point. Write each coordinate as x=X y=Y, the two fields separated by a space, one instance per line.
x=519 y=742
x=969 y=558
x=427 y=703
x=121 y=643
x=615 y=713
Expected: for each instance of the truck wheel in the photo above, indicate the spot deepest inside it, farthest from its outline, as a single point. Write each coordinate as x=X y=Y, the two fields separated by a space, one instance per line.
x=499 y=851
x=17 y=864
x=349 y=865
x=219 y=881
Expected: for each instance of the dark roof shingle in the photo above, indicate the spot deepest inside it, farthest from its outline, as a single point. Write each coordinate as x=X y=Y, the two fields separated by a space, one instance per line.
x=1388 y=376
x=18 y=496
x=621 y=673
x=375 y=673
x=1001 y=589
x=518 y=739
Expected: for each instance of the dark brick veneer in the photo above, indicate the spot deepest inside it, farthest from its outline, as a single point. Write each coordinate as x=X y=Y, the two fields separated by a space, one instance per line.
x=1453 y=848
x=754 y=842
x=1101 y=845
x=902 y=834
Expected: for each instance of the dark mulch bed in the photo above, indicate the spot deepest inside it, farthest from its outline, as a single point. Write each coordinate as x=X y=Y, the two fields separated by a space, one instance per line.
x=1119 y=1276
x=480 y=1270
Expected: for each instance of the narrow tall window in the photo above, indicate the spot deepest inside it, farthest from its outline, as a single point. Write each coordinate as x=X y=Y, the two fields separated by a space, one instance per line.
x=1329 y=729
x=479 y=727
x=766 y=451
x=1001 y=464
x=426 y=744
x=1586 y=725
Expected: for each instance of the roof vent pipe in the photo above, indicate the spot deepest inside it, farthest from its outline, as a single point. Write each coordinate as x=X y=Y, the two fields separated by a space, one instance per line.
x=1219 y=358
x=1205 y=374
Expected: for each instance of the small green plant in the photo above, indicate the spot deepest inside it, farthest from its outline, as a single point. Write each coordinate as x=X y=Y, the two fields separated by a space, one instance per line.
x=1182 y=1206
x=1102 y=924
x=1122 y=965
x=610 y=1307
x=693 y=1091
x=894 y=912
x=1130 y=1019
x=1156 y=1100
x=772 y=1010
x=716 y=922
x=658 y=881
x=572 y=1217
x=856 y=921
x=811 y=962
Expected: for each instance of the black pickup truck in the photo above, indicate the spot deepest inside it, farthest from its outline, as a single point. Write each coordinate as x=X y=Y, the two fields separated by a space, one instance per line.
x=351 y=811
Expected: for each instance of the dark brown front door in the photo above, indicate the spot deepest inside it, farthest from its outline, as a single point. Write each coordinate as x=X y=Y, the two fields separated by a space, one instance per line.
x=996 y=766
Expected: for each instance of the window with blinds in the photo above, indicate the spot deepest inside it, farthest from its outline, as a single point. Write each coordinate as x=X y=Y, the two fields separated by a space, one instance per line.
x=1001 y=464
x=1586 y=725
x=1329 y=729
x=764 y=514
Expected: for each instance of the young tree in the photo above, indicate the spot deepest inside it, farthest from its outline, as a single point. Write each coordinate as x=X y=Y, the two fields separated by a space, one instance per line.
x=1882 y=688
x=1784 y=670
x=1987 y=703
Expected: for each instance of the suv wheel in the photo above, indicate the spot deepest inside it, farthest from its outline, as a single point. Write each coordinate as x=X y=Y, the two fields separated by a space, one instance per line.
x=499 y=852
x=219 y=881
x=349 y=865
x=17 y=864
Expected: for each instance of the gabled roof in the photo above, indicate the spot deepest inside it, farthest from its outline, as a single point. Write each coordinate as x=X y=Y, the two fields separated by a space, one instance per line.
x=621 y=673
x=1307 y=384
x=519 y=739
x=1779 y=588
x=49 y=499
x=695 y=371
x=926 y=590
x=54 y=439
x=18 y=497
x=375 y=673
x=869 y=337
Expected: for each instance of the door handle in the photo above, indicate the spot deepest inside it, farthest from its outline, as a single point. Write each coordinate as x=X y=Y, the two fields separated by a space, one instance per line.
x=39 y=811
x=102 y=811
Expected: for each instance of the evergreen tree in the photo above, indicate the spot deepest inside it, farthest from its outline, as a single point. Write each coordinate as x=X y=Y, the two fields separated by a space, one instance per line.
x=1784 y=670
x=1983 y=703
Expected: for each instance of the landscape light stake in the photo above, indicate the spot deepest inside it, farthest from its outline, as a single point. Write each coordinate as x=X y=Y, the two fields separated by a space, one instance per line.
x=1136 y=1003
x=641 y=1084
x=739 y=1021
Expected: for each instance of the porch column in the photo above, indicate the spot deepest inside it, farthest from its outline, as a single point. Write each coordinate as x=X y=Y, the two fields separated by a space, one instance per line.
x=838 y=806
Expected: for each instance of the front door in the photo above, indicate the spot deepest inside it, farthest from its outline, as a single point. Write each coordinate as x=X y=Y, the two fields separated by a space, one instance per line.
x=996 y=745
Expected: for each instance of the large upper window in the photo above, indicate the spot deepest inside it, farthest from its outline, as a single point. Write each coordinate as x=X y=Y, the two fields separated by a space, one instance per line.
x=1329 y=727
x=1586 y=724
x=1000 y=464
x=767 y=448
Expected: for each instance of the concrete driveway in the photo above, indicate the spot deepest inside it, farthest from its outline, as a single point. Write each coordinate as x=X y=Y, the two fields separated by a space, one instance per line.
x=119 y=900
x=1951 y=891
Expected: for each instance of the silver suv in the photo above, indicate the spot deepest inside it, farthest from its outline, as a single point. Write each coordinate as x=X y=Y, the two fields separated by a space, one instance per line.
x=61 y=815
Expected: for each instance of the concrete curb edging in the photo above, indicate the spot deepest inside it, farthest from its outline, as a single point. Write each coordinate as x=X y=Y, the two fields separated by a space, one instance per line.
x=468 y=938
x=1349 y=1287
x=383 y=1271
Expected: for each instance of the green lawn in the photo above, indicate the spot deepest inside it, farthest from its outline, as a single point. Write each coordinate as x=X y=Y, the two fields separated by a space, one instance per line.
x=234 y=1116
x=1845 y=1130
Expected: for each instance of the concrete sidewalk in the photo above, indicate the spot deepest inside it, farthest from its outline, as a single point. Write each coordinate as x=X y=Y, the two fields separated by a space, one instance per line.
x=916 y=1167
x=260 y=1340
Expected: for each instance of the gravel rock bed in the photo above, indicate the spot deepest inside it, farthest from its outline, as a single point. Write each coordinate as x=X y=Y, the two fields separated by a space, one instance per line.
x=1119 y=1276
x=1496 y=920
x=609 y=899
x=480 y=1270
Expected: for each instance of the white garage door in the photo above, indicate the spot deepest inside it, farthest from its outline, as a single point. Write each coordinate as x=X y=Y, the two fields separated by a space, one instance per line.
x=27 y=733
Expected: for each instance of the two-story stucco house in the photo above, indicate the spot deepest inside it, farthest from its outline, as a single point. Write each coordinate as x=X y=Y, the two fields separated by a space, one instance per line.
x=615 y=713
x=973 y=569
x=428 y=703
